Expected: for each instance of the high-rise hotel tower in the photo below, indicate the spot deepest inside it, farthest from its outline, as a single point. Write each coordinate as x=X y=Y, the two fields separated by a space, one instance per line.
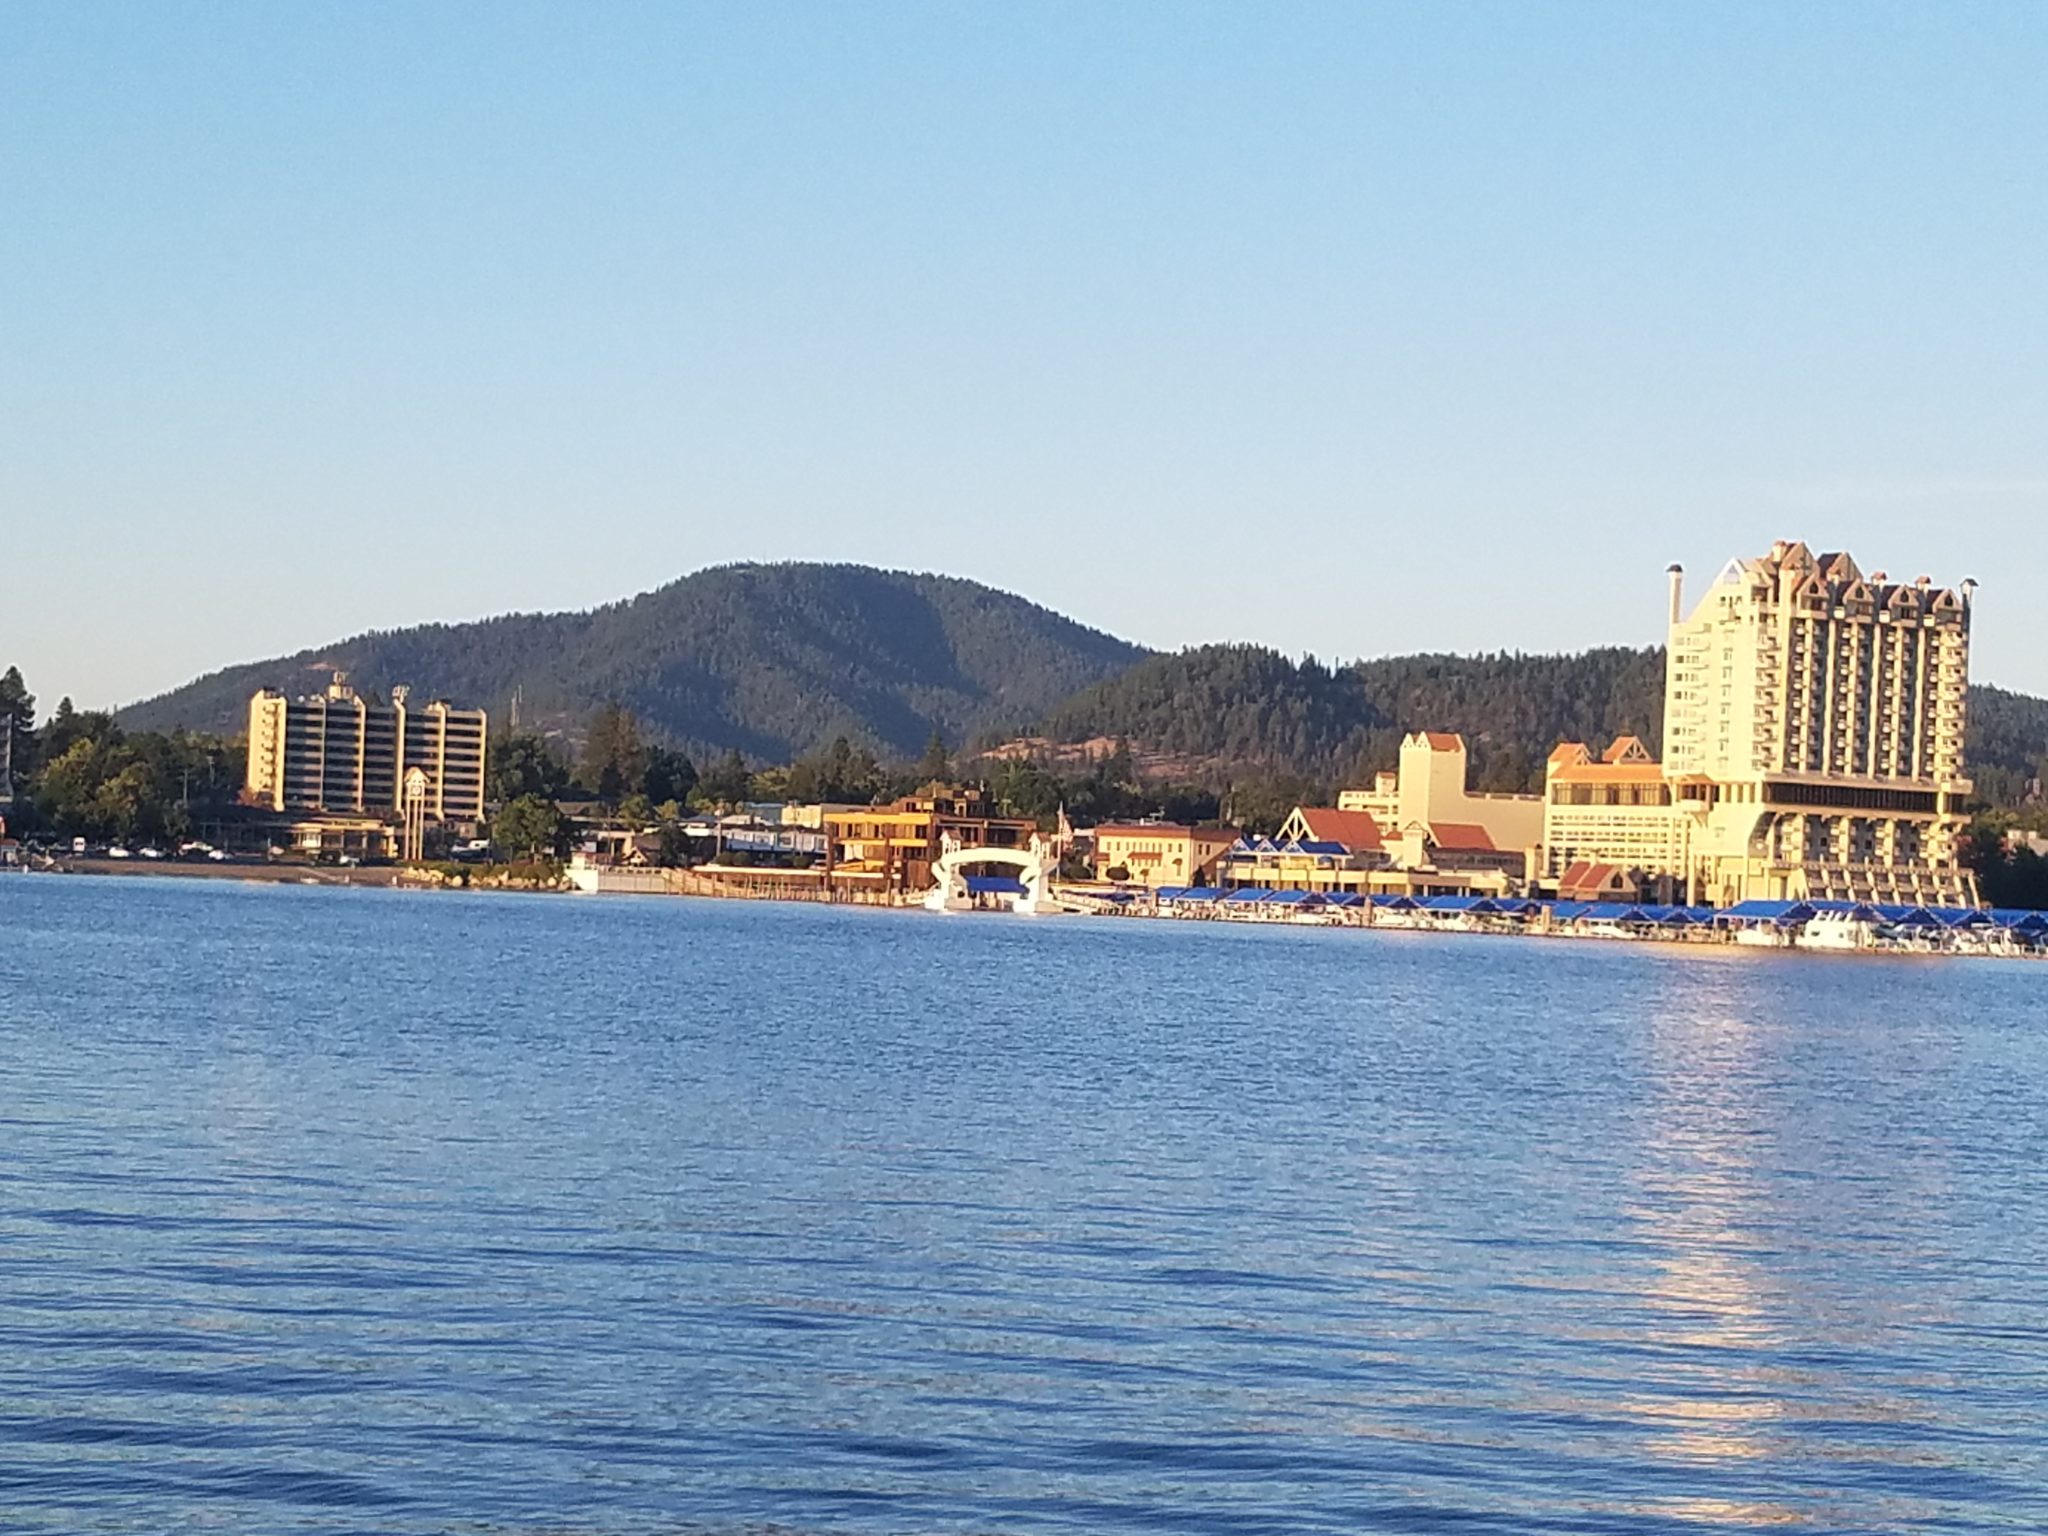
x=1813 y=732
x=339 y=753
x=1813 y=746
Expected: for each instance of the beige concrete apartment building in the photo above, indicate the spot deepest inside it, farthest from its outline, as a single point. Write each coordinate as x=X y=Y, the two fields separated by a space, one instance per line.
x=1813 y=729
x=338 y=753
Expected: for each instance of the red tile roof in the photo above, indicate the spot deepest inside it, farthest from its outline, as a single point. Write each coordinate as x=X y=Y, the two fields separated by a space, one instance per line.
x=1625 y=749
x=1356 y=830
x=1466 y=835
x=1443 y=741
x=1584 y=879
x=1570 y=753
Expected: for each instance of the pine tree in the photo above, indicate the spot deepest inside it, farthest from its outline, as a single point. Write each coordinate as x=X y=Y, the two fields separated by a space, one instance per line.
x=935 y=767
x=614 y=761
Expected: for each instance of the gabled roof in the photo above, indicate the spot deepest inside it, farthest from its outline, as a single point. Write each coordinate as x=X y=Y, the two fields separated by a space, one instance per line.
x=1356 y=830
x=1587 y=877
x=1626 y=749
x=1440 y=741
x=1570 y=754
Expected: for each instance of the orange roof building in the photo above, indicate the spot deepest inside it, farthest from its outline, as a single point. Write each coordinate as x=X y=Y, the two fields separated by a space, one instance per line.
x=1356 y=831
x=1612 y=811
x=1425 y=811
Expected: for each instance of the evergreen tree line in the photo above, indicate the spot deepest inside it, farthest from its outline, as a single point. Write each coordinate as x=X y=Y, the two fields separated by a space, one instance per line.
x=1249 y=732
x=79 y=774
x=1222 y=710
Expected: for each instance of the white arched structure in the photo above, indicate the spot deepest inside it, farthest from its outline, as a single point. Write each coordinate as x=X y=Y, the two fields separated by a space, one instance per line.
x=1034 y=866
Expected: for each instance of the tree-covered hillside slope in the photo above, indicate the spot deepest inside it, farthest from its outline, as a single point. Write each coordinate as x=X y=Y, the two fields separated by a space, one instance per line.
x=771 y=659
x=1235 y=706
x=777 y=659
x=1228 y=707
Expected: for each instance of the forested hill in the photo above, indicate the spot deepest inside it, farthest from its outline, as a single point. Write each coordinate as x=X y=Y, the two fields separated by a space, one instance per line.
x=1222 y=708
x=771 y=659
x=777 y=659
x=1229 y=706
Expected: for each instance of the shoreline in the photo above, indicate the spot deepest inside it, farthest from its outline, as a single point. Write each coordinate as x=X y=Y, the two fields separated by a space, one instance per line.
x=392 y=877
x=257 y=874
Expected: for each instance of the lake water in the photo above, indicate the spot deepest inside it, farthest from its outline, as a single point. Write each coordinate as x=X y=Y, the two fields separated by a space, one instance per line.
x=327 y=1210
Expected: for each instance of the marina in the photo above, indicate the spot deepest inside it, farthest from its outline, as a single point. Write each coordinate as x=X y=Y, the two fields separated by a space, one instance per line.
x=1822 y=925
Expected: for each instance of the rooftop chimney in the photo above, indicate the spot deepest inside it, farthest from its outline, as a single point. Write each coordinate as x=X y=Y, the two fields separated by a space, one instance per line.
x=1677 y=574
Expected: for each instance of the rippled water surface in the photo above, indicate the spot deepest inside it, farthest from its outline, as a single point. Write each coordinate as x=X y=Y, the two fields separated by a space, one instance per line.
x=329 y=1210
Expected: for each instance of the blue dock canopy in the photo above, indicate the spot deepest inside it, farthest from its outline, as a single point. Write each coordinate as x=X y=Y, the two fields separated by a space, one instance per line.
x=994 y=885
x=1784 y=912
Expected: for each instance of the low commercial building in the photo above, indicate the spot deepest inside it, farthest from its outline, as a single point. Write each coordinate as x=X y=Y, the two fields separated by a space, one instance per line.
x=339 y=753
x=1356 y=834
x=1318 y=848
x=1425 y=812
x=1157 y=853
x=365 y=838
x=1335 y=849
x=896 y=845
x=1454 y=847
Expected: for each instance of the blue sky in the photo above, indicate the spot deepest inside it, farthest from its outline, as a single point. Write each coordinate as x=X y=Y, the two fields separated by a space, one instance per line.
x=1354 y=329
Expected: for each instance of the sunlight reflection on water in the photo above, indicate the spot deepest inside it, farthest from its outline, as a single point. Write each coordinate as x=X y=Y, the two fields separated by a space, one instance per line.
x=344 y=1210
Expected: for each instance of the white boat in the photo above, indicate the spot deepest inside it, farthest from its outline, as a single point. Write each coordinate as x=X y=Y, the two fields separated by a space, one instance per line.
x=1764 y=936
x=1837 y=930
